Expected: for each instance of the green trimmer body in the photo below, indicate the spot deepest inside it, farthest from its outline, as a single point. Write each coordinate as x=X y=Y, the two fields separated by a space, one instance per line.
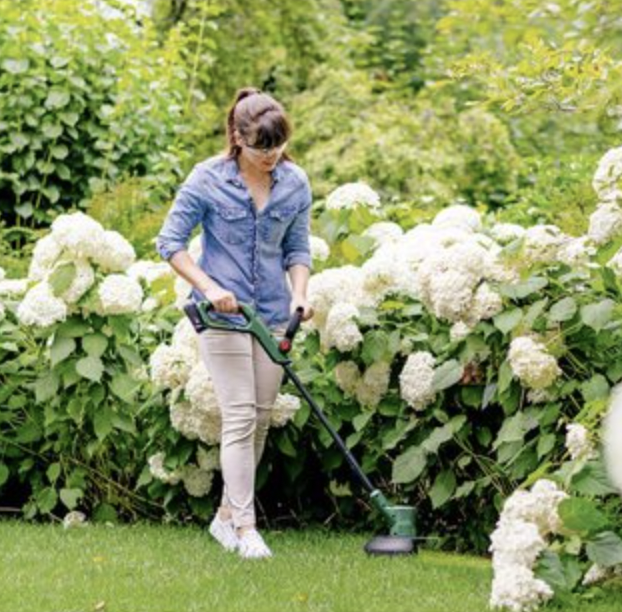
x=402 y=537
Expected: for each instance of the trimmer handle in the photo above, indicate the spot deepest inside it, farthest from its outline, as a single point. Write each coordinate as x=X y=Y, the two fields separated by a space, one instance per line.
x=294 y=324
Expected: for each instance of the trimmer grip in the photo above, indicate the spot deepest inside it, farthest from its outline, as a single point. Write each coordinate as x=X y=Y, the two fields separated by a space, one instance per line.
x=294 y=323
x=192 y=312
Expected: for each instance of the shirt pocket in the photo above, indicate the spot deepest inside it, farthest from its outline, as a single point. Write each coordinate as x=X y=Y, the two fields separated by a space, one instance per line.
x=232 y=224
x=277 y=221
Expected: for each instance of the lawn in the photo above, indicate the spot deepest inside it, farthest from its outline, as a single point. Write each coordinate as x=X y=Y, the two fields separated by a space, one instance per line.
x=141 y=567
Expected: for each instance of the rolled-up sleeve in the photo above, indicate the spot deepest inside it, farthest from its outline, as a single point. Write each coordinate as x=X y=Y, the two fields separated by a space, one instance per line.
x=184 y=215
x=296 y=247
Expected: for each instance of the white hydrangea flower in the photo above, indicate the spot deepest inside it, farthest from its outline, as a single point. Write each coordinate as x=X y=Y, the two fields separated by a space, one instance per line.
x=150 y=304
x=200 y=389
x=170 y=366
x=115 y=254
x=416 y=380
x=515 y=588
x=578 y=442
x=459 y=331
x=74 y=519
x=538 y=506
x=516 y=542
x=542 y=243
x=333 y=286
x=605 y=223
x=374 y=384
x=531 y=363
x=607 y=178
x=186 y=338
x=384 y=232
x=40 y=307
x=611 y=435
x=576 y=252
x=448 y=279
x=150 y=271
x=119 y=294
x=350 y=195
x=183 y=289
x=13 y=287
x=197 y=482
x=320 y=250
x=597 y=573
x=538 y=396
x=341 y=330
x=44 y=256
x=486 y=304
x=79 y=235
x=460 y=216
x=347 y=375
x=82 y=282
x=284 y=409
x=195 y=423
x=158 y=471
x=615 y=263
x=504 y=233
x=208 y=460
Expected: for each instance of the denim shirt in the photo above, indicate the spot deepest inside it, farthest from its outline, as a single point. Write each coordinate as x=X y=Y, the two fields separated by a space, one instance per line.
x=244 y=250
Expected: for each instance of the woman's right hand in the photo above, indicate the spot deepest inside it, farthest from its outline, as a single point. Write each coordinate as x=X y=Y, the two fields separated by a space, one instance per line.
x=222 y=300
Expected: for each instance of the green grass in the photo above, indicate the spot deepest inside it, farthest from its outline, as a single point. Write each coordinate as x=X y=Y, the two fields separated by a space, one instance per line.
x=152 y=568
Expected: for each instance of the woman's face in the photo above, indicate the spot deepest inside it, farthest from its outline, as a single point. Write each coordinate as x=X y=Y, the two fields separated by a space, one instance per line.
x=262 y=160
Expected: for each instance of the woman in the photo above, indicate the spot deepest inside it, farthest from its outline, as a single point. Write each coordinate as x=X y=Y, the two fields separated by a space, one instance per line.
x=253 y=204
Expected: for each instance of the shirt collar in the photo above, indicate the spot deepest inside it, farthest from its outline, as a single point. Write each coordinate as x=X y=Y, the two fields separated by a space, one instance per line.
x=232 y=172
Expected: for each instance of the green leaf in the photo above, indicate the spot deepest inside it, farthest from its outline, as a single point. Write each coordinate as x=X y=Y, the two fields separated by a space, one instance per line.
x=124 y=386
x=70 y=497
x=605 y=549
x=546 y=443
x=102 y=422
x=375 y=346
x=597 y=315
x=61 y=349
x=561 y=576
x=514 y=428
x=123 y=422
x=72 y=328
x=507 y=321
x=90 y=367
x=4 y=473
x=596 y=388
x=409 y=465
x=60 y=280
x=581 y=515
x=57 y=98
x=592 y=479
x=505 y=376
x=46 y=387
x=95 y=344
x=523 y=289
x=443 y=434
x=447 y=374
x=16 y=66
x=443 y=488
x=53 y=472
x=563 y=310
x=46 y=499
x=360 y=420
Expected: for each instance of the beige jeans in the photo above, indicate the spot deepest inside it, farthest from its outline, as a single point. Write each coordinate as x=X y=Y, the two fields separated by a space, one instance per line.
x=246 y=383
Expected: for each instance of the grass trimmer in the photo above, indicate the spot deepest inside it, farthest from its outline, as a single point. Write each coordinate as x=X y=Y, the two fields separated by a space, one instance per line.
x=401 y=519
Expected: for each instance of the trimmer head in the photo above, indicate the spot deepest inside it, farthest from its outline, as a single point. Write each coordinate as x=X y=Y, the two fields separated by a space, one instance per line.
x=391 y=545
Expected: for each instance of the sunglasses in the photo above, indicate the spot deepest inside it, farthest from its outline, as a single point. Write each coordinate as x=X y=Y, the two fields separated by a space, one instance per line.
x=266 y=152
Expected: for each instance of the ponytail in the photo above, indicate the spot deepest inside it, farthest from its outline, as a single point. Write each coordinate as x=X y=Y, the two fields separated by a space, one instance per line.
x=258 y=118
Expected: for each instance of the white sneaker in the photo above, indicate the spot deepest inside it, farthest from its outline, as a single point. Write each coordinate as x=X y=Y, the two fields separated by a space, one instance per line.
x=252 y=546
x=224 y=532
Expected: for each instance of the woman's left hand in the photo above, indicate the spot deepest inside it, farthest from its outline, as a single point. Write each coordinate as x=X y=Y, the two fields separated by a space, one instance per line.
x=299 y=300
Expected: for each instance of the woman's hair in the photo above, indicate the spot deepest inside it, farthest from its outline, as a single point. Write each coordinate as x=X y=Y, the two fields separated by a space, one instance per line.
x=260 y=120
